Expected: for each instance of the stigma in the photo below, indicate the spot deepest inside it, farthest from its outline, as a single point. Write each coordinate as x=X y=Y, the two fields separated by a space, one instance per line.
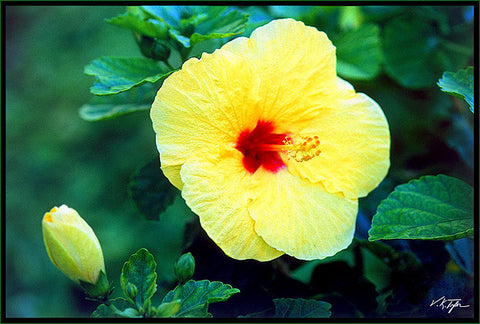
x=262 y=146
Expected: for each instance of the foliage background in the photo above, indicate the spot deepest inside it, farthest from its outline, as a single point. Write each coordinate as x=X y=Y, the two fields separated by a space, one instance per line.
x=55 y=157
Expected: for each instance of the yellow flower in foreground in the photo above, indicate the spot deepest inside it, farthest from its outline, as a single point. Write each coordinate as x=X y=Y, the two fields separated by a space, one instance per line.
x=269 y=147
x=72 y=245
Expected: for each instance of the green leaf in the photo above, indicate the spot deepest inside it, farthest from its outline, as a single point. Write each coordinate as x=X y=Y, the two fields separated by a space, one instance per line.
x=107 y=107
x=416 y=54
x=167 y=309
x=192 y=24
x=139 y=271
x=432 y=207
x=220 y=23
x=359 y=54
x=115 y=309
x=115 y=74
x=175 y=34
x=301 y=308
x=459 y=84
x=171 y=15
x=151 y=191
x=195 y=297
x=148 y=27
x=409 y=46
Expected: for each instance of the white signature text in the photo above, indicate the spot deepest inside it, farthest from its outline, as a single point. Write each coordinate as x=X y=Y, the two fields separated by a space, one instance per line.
x=447 y=303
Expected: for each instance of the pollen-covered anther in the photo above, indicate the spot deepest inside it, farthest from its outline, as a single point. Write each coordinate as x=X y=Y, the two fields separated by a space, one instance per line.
x=302 y=148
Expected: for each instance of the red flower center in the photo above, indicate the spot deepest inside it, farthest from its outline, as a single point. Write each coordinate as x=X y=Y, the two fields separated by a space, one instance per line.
x=260 y=147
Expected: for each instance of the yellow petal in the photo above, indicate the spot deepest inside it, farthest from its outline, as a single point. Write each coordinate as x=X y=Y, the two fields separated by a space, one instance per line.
x=172 y=172
x=296 y=64
x=209 y=101
x=215 y=189
x=300 y=218
x=354 y=144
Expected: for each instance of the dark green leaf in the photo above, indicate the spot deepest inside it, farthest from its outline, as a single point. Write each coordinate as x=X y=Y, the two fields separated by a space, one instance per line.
x=118 y=305
x=301 y=308
x=295 y=308
x=462 y=251
x=398 y=276
x=376 y=266
x=415 y=54
x=195 y=297
x=409 y=45
x=432 y=207
x=459 y=84
x=149 y=27
x=115 y=75
x=106 y=107
x=380 y=259
x=460 y=137
x=382 y=12
x=139 y=271
x=151 y=191
x=359 y=54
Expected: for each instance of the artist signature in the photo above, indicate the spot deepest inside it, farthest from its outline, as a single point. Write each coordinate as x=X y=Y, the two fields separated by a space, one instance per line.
x=447 y=303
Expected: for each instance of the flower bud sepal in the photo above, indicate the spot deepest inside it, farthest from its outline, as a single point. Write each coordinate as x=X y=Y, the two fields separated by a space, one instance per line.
x=184 y=267
x=99 y=291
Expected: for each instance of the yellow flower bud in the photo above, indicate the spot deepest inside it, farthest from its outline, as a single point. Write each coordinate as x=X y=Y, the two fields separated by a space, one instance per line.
x=72 y=245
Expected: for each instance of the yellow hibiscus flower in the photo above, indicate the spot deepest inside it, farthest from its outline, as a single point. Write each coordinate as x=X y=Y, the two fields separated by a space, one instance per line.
x=269 y=147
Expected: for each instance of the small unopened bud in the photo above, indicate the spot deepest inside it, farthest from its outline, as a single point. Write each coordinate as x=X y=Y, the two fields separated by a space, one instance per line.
x=72 y=245
x=185 y=267
x=131 y=291
x=154 y=48
x=73 y=248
